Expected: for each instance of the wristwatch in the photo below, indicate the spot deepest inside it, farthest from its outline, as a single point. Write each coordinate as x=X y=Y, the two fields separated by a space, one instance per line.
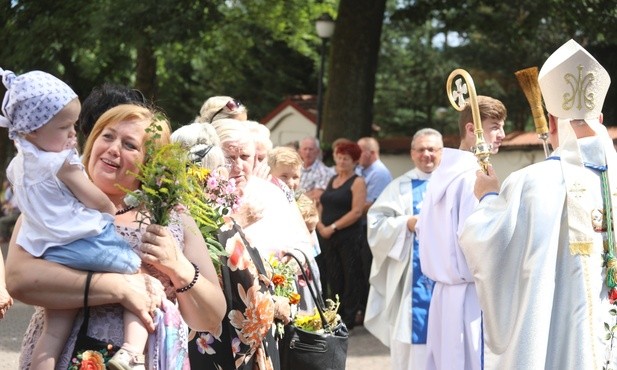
x=333 y=226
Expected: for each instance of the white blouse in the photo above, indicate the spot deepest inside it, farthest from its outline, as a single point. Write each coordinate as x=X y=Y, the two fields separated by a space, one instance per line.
x=52 y=215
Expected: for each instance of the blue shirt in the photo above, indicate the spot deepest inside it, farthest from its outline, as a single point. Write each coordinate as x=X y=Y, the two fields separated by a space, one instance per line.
x=377 y=177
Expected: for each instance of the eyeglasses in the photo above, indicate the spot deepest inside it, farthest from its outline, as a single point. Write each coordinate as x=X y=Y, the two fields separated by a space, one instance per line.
x=232 y=106
x=231 y=162
x=430 y=150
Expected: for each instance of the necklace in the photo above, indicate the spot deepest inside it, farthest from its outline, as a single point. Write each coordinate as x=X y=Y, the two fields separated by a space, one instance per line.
x=125 y=210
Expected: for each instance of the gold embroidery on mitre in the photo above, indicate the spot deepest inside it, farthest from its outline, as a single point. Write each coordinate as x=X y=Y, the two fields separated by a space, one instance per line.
x=578 y=94
x=581 y=248
x=577 y=190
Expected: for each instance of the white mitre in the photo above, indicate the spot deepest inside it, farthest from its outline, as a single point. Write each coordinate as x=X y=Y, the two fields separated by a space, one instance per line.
x=573 y=83
x=574 y=86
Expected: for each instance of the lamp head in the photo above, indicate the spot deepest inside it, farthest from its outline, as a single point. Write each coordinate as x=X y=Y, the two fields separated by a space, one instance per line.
x=324 y=26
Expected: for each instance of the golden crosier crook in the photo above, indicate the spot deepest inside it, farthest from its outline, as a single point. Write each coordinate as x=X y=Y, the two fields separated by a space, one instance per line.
x=464 y=86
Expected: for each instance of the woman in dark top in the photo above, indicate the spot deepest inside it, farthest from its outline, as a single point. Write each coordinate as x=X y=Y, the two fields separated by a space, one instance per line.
x=340 y=227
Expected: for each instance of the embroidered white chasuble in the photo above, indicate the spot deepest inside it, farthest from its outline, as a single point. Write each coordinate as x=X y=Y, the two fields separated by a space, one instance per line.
x=543 y=296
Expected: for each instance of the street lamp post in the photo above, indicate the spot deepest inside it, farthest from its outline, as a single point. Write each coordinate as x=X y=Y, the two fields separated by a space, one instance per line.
x=325 y=28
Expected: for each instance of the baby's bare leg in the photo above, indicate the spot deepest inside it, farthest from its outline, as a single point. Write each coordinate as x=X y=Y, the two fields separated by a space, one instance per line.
x=135 y=333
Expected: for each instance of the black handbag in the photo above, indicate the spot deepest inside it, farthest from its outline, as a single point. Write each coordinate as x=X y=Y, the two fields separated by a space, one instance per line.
x=85 y=343
x=304 y=350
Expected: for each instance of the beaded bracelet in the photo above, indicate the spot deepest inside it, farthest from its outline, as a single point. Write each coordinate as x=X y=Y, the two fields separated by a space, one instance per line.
x=192 y=283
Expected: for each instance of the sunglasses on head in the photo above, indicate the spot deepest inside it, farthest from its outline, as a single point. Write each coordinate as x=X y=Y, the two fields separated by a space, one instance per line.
x=231 y=106
x=198 y=152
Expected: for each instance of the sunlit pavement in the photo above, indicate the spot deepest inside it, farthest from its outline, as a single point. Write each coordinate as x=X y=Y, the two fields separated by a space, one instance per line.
x=365 y=351
x=12 y=330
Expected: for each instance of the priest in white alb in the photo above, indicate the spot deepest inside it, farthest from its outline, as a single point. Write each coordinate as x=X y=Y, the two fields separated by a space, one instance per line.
x=454 y=339
x=400 y=294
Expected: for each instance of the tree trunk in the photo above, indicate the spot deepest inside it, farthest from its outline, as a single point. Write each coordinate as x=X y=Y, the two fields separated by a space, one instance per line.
x=145 y=80
x=348 y=105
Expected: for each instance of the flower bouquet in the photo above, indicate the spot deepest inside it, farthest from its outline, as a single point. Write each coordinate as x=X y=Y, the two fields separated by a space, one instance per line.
x=313 y=323
x=220 y=195
x=169 y=182
x=166 y=185
x=91 y=359
x=283 y=281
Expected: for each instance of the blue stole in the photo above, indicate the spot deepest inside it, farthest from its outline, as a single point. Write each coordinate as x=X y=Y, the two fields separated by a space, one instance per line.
x=421 y=286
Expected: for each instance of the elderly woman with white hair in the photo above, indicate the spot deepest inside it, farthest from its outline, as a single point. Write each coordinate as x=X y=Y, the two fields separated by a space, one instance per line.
x=271 y=223
x=251 y=308
x=274 y=225
x=202 y=143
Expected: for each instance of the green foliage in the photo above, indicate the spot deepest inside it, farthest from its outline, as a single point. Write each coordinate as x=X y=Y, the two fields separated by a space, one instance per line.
x=177 y=52
x=491 y=40
x=259 y=51
x=167 y=185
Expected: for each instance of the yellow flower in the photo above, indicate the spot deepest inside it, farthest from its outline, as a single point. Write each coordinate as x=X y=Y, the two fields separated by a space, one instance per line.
x=313 y=322
x=294 y=298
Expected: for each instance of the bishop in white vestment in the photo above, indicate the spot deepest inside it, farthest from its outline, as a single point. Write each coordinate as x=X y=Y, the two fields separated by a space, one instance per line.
x=538 y=249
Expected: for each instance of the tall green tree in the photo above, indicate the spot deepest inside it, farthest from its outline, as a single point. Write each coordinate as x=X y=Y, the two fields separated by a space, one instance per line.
x=492 y=40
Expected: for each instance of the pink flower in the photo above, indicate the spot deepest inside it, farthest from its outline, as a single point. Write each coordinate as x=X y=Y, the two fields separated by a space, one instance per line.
x=231 y=187
x=203 y=344
x=212 y=182
x=235 y=345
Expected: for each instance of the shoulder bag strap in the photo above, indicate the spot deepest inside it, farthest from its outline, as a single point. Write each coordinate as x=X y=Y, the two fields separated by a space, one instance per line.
x=83 y=330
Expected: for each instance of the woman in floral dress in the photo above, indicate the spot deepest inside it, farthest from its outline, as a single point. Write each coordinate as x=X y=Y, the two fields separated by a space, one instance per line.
x=244 y=340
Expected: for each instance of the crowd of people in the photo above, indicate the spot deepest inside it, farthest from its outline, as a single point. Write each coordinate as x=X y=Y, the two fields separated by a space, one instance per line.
x=443 y=265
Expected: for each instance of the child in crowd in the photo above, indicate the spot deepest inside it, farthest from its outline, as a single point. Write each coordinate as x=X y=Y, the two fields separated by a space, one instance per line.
x=285 y=166
x=66 y=219
x=309 y=211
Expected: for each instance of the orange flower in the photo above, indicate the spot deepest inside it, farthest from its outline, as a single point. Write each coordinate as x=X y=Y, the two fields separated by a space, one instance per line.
x=294 y=298
x=256 y=320
x=278 y=279
x=92 y=360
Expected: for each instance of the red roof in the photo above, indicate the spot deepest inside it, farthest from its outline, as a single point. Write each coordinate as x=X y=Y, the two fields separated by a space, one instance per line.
x=305 y=104
x=517 y=140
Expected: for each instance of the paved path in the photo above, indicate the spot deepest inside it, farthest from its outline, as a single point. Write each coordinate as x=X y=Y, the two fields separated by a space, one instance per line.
x=365 y=352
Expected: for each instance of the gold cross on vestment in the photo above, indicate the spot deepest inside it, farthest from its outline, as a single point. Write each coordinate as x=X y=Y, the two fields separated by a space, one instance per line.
x=577 y=190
